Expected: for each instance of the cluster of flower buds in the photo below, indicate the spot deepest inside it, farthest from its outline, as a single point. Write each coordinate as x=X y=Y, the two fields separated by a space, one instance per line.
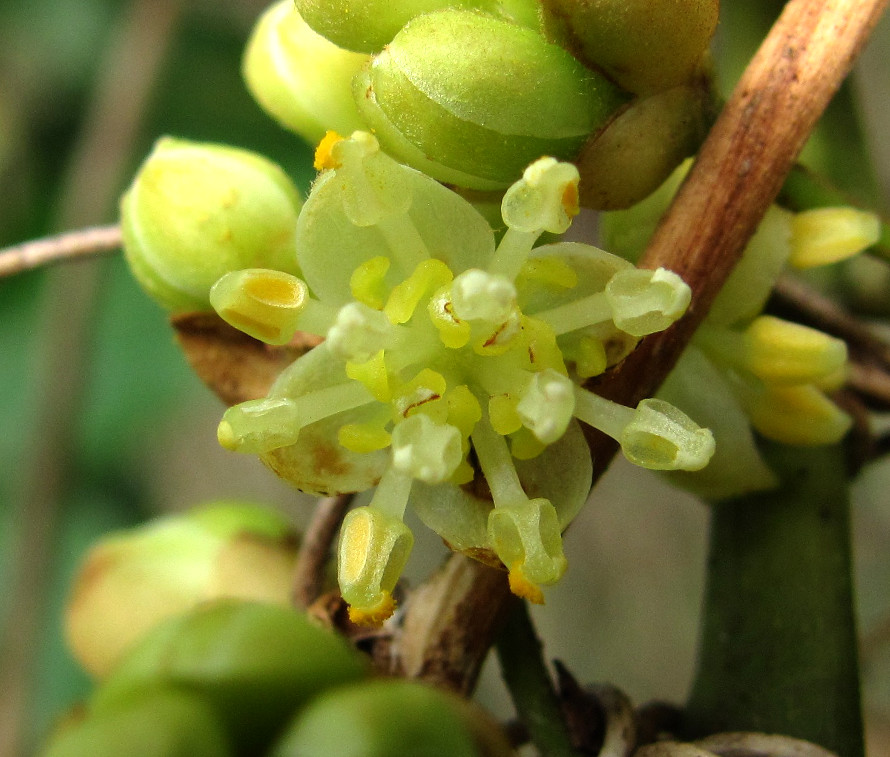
x=472 y=91
x=746 y=371
x=448 y=358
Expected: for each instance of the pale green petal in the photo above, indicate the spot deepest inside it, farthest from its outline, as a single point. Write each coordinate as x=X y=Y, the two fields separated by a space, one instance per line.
x=331 y=248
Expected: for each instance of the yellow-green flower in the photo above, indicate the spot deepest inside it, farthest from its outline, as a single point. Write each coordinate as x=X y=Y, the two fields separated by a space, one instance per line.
x=447 y=359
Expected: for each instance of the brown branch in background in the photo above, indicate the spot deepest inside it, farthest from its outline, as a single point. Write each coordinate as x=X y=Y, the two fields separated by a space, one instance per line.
x=72 y=245
x=739 y=172
x=315 y=549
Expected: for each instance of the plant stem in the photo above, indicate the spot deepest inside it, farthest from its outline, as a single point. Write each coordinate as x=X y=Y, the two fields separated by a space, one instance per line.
x=530 y=685
x=778 y=647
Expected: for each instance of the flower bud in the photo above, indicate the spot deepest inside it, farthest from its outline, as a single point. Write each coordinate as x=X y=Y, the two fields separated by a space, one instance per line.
x=391 y=718
x=477 y=98
x=643 y=45
x=255 y=663
x=197 y=211
x=631 y=157
x=299 y=77
x=132 y=581
x=368 y=25
x=153 y=723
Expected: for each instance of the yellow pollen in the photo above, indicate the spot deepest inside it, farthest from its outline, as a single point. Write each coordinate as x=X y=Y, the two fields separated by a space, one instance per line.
x=570 y=200
x=522 y=587
x=323 y=157
x=373 y=616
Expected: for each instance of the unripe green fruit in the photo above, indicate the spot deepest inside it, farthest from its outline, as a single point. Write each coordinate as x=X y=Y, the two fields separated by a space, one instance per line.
x=299 y=77
x=156 y=723
x=388 y=718
x=638 y=150
x=131 y=581
x=368 y=25
x=642 y=45
x=197 y=211
x=257 y=663
x=477 y=98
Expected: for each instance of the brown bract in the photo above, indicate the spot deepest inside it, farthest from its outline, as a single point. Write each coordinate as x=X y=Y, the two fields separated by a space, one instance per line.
x=236 y=367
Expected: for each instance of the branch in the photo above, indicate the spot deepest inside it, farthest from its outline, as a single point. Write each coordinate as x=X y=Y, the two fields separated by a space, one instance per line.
x=72 y=245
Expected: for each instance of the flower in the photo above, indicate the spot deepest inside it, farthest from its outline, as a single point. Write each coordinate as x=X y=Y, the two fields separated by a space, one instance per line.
x=450 y=365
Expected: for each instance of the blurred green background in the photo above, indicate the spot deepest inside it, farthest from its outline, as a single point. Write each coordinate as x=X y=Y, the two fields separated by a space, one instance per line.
x=102 y=424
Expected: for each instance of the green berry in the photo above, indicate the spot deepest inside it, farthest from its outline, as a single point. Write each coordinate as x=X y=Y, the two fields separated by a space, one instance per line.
x=197 y=211
x=642 y=45
x=257 y=663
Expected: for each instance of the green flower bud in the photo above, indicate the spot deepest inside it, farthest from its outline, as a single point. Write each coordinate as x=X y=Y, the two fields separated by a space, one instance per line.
x=369 y=25
x=256 y=663
x=132 y=581
x=155 y=723
x=391 y=718
x=472 y=100
x=299 y=77
x=197 y=211
x=638 y=150
x=642 y=45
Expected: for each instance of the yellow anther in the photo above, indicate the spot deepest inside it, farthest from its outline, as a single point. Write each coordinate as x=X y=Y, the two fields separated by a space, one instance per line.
x=524 y=445
x=524 y=588
x=537 y=345
x=502 y=413
x=373 y=375
x=323 y=153
x=373 y=616
x=551 y=271
x=464 y=411
x=453 y=332
x=590 y=357
x=430 y=275
x=363 y=437
x=368 y=282
x=423 y=394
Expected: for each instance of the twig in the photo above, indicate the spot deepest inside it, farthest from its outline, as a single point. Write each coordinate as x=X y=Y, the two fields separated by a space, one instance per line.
x=72 y=245
x=315 y=548
x=530 y=685
x=739 y=172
